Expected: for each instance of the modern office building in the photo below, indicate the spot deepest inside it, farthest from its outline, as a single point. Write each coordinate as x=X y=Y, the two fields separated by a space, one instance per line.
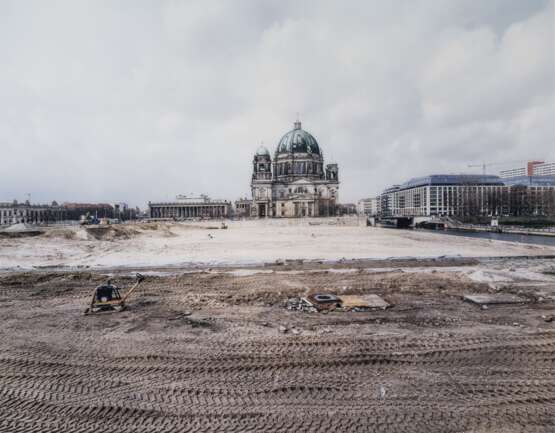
x=469 y=195
x=368 y=206
x=513 y=172
x=532 y=168
x=544 y=169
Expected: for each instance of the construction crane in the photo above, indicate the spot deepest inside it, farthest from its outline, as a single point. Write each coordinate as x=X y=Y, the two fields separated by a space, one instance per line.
x=485 y=165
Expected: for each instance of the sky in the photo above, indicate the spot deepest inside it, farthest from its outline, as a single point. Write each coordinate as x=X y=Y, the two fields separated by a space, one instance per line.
x=143 y=100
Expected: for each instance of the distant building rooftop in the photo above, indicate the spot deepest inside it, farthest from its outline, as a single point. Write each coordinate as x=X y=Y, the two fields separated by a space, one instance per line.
x=451 y=179
x=182 y=200
x=472 y=179
x=86 y=205
x=530 y=180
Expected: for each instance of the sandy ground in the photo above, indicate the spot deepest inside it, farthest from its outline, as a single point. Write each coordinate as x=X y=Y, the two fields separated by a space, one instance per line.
x=215 y=349
x=205 y=348
x=155 y=245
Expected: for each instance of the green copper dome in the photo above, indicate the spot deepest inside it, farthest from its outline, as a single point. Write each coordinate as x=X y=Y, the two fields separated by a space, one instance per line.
x=298 y=141
x=262 y=151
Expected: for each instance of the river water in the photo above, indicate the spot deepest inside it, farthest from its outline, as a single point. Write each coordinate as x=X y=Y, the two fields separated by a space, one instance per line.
x=509 y=237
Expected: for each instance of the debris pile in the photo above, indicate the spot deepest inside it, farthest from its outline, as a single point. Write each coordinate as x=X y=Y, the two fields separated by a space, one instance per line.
x=300 y=304
x=325 y=302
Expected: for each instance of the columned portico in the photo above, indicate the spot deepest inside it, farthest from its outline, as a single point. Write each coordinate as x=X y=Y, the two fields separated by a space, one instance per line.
x=190 y=207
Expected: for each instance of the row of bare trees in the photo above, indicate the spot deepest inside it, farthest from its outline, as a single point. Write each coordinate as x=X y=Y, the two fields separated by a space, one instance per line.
x=517 y=201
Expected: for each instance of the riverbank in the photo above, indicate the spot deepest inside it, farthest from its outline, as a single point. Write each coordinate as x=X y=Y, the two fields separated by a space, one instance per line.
x=504 y=229
x=529 y=239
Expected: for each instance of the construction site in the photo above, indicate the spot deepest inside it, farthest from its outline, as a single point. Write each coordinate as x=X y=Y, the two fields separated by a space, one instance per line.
x=324 y=326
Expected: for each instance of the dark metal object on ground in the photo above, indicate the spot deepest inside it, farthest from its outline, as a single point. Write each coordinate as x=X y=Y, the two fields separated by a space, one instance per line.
x=324 y=302
x=107 y=297
x=325 y=298
x=300 y=304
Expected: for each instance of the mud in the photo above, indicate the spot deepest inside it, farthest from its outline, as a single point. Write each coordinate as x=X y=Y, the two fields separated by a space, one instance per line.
x=216 y=350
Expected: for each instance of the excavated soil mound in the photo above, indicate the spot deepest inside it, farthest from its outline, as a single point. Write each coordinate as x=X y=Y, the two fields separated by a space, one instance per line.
x=123 y=231
x=110 y=233
x=66 y=233
x=163 y=229
x=22 y=234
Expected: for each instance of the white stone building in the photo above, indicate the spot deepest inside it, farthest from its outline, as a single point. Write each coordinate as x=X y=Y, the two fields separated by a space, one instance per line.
x=185 y=207
x=368 y=206
x=242 y=208
x=14 y=213
x=295 y=183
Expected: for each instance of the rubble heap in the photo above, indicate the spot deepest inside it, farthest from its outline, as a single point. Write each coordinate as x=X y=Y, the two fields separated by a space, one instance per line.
x=324 y=302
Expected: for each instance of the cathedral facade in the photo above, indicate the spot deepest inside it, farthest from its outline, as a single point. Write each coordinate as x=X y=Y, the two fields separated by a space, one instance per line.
x=295 y=183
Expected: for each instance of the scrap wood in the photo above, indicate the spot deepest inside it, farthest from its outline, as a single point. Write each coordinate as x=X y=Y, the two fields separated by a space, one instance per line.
x=364 y=301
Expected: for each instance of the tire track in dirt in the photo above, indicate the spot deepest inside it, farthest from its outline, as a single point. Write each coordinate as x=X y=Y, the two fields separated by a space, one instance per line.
x=167 y=392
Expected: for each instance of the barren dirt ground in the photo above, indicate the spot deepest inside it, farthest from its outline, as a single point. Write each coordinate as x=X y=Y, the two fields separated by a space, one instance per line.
x=201 y=350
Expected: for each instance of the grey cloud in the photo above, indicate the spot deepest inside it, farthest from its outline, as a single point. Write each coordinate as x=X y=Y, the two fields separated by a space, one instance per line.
x=143 y=100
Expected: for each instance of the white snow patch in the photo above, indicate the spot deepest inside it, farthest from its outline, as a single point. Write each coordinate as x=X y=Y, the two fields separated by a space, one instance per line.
x=248 y=272
x=17 y=227
x=248 y=243
x=484 y=276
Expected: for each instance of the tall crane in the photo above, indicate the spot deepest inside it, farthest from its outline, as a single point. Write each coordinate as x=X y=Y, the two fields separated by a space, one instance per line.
x=485 y=165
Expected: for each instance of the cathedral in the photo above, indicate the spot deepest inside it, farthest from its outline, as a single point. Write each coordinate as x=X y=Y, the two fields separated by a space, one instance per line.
x=295 y=183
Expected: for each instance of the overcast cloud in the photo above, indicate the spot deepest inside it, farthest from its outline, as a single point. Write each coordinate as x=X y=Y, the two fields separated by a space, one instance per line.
x=142 y=100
